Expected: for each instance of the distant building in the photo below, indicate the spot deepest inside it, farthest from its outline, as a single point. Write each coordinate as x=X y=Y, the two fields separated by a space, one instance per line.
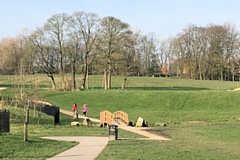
x=164 y=70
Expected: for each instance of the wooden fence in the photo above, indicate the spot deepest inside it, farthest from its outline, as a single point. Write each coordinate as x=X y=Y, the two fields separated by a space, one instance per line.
x=121 y=116
x=51 y=110
x=4 y=121
x=108 y=118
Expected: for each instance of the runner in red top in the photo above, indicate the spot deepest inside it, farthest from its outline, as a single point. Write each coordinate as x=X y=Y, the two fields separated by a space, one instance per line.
x=75 y=108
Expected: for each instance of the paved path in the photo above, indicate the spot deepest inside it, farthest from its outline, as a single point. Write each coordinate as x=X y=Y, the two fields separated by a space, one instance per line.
x=87 y=149
x=70 y=113
x=142 y=131
x=138 y=130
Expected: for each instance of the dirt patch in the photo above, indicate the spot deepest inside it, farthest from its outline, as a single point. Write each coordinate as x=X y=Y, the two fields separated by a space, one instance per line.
x=157 y=131
x=194 y=122
x=236 y=89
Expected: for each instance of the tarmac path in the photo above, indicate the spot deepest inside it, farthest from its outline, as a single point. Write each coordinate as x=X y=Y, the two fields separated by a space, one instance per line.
x=138 y=130
x=89 y=147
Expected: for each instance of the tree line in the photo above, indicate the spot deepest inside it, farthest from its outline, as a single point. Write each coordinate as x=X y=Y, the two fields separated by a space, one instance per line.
x=84 y=43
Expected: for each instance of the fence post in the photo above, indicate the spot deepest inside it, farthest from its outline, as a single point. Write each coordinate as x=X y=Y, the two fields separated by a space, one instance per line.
x=39 y=118
x=27 y=116
x=25 y=131
x=8 y=122
x=34 y=113
x=56 y=115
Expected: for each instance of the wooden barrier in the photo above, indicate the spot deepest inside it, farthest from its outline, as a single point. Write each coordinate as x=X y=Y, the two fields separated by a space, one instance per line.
x=108 y=118
x=120 y=115
x=4 y=121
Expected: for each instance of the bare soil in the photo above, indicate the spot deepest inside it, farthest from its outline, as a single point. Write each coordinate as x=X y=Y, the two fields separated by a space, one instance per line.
x=158 y=131
x=236 y=89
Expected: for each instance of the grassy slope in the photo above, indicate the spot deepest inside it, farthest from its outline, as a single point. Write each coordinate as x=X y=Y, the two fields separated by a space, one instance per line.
x=155 y=106
x=214 y=135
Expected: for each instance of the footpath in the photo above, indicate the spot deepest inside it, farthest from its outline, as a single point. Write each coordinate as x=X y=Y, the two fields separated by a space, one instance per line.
x=89 y=147
x=138 y=130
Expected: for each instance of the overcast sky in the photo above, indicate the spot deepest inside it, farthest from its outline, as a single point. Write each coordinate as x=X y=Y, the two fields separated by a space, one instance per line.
x=163 y=17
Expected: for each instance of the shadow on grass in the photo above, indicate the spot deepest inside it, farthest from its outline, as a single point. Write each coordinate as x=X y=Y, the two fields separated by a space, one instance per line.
x=173 y=88
x=27 y=86
x=7 y=85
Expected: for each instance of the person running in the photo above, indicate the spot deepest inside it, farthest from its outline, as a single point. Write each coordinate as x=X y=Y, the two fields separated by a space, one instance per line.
x=75 y=109
x=84 y=110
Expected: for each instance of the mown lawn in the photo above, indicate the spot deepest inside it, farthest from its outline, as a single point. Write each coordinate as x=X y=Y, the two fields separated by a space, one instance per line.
x=202 y=117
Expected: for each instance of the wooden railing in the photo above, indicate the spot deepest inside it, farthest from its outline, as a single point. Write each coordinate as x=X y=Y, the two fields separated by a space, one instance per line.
x=108 y=118
x=120 y=115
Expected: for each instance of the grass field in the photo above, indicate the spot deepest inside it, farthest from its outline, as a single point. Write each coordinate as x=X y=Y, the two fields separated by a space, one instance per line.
x=202 y=118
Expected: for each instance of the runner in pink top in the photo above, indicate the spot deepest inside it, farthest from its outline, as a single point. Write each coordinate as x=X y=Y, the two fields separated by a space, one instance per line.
x=84 y=110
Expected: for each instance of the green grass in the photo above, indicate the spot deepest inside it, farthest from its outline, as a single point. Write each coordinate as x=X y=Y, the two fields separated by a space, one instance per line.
x=202 y=117
x=13 y=147
x=155 y=106
x=155 y=150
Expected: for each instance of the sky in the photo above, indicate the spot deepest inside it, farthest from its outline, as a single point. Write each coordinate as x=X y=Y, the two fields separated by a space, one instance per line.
x=164 y=18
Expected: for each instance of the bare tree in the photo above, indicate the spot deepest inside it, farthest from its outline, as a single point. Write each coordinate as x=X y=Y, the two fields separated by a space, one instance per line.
x=10 y=55
x=113 y=34
x=129 y=58
x=86 y=27
x=74 y=54
x=56 y=29
x=177 y=51
x=231 y=52
x=45 y=57
x=163 y=56
x=217 y=36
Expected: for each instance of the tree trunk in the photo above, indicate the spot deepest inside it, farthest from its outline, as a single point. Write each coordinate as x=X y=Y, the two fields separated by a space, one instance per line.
x=232 y=75
x=124 y=82
x=65 y=84
x=200 y=72
x=109 y=79
x=85 y=73
x=74 y=76
x=53 y=82
x=108 y=75
x=87 y=79
x=221 y=75
x=106 y=80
